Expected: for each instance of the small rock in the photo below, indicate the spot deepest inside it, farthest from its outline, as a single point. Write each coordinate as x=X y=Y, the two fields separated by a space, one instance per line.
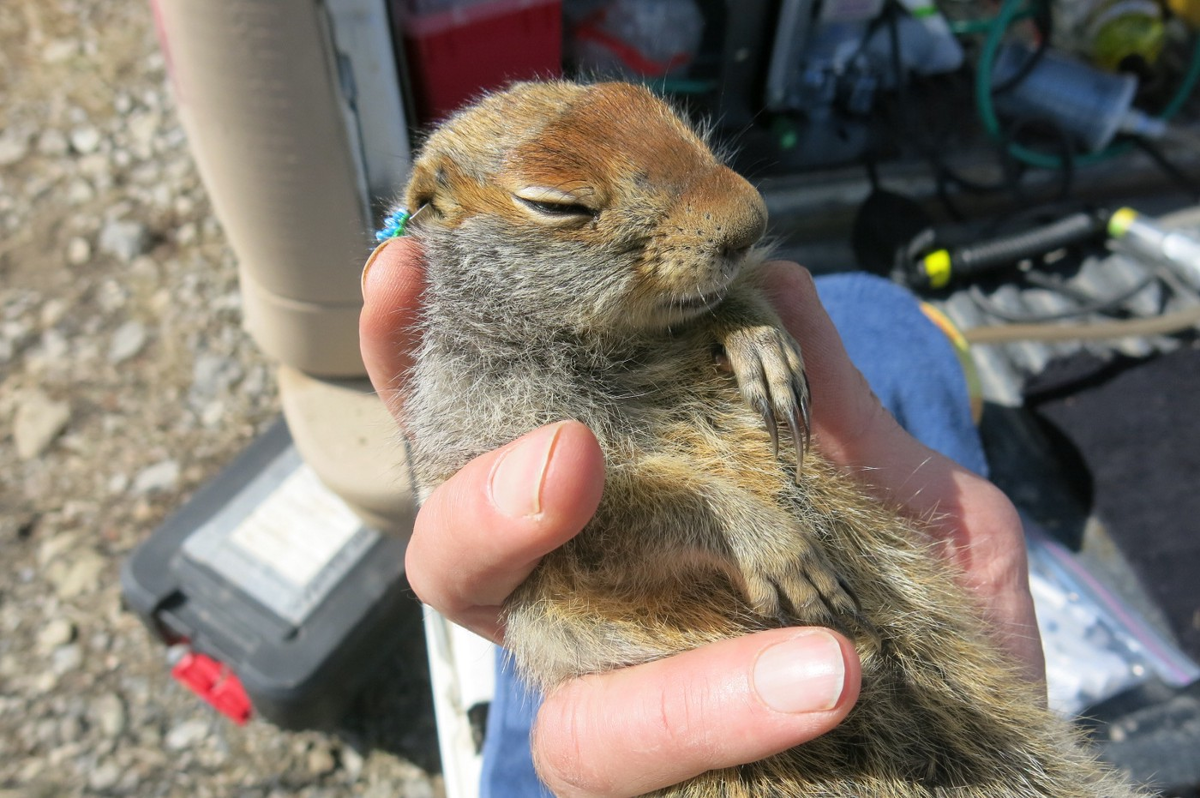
x=162 y=476
x=211 y=375
x=352 y=762
x=66 y=659
x=142 y=126
x=145 y=270
x=118 y=483
x=13 y=337
x=53 y=143
x=58 y=758
x=105 y=776
x=186 y=235
x=13 y=147
x=85 y=140
x=108 y=714
x=58 y=632
x=186 y=735
x=15 y=330
x=77 y=577
x=54 y=345
x=80 y=191
x=43 y=683
x=142 y=511
x=52 y=312
x=127 y=341
x=54 y=547
x=37 y=422
x=256 y=382
x=213 y=414
x=70 y=728
x=31 y=772
x=41 y=182
x=58 y=51
x=124 y=239
x=96 y=167
x=79 y=251
x=320 y=761
x=111 y=295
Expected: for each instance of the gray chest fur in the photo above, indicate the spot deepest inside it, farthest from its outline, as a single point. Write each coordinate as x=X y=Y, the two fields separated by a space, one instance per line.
x=503 y=353
x=471 y=395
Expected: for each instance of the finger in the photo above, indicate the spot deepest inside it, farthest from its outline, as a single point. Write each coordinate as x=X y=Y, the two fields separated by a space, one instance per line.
x=979 y=523
x=639 y=729
x=392 y=283
x=482 y=531
x=853 y=428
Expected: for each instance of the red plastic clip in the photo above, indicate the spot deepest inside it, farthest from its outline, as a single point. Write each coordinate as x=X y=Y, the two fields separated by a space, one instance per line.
x=216 y=684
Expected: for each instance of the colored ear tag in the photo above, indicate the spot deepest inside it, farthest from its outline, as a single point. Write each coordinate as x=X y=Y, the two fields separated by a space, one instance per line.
x=393 y=225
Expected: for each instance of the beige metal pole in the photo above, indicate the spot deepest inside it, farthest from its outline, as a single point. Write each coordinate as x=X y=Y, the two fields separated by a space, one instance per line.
x=255 y=83
x=263 y=97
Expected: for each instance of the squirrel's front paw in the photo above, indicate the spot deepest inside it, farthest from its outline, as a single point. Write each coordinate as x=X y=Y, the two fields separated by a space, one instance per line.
x=804 y=589
x=770 y=374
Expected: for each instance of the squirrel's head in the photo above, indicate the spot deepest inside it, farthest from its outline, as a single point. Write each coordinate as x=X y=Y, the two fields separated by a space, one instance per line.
x=596 y=204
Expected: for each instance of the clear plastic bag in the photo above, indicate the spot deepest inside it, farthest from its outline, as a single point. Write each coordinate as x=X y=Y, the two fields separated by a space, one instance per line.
x=1096 y=645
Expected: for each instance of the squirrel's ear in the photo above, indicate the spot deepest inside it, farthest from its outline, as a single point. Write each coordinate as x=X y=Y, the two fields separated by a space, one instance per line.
x=422 y=186
x=430 y=188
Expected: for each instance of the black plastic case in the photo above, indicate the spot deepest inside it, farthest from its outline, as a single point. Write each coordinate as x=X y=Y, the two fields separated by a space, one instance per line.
x=301 y=662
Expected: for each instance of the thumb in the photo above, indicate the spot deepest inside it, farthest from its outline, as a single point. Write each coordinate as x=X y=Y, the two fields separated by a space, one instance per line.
x=638 y=729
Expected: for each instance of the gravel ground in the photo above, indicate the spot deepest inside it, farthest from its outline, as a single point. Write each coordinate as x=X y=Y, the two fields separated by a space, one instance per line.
x=126 y=381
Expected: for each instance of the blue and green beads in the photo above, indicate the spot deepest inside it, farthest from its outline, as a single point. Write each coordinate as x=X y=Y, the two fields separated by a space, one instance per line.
x=393 y=225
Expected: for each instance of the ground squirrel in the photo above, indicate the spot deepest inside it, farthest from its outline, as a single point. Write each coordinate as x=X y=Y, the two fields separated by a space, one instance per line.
x=588 y=257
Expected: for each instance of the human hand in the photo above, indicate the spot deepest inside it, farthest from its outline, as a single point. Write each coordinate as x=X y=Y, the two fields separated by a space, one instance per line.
x=482 y=532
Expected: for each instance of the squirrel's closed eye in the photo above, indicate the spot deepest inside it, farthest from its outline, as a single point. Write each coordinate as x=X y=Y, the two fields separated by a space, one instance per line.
x=557 y=208
x=552 y=203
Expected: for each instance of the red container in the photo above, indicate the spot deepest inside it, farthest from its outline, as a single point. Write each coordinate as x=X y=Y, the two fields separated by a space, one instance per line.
x=456 y=54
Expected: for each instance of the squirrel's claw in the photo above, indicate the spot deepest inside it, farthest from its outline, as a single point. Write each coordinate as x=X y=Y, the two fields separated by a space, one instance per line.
x=772 y=425
x=801 y=422
x=800 y=441
x=770 y=374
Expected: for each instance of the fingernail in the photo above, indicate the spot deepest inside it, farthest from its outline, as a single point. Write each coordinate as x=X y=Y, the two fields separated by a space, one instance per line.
x=517 y=476
x=370 y=260
x=804 y=674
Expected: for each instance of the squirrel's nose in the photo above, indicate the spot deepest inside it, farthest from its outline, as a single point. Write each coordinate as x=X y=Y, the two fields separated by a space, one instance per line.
x=745 y=215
